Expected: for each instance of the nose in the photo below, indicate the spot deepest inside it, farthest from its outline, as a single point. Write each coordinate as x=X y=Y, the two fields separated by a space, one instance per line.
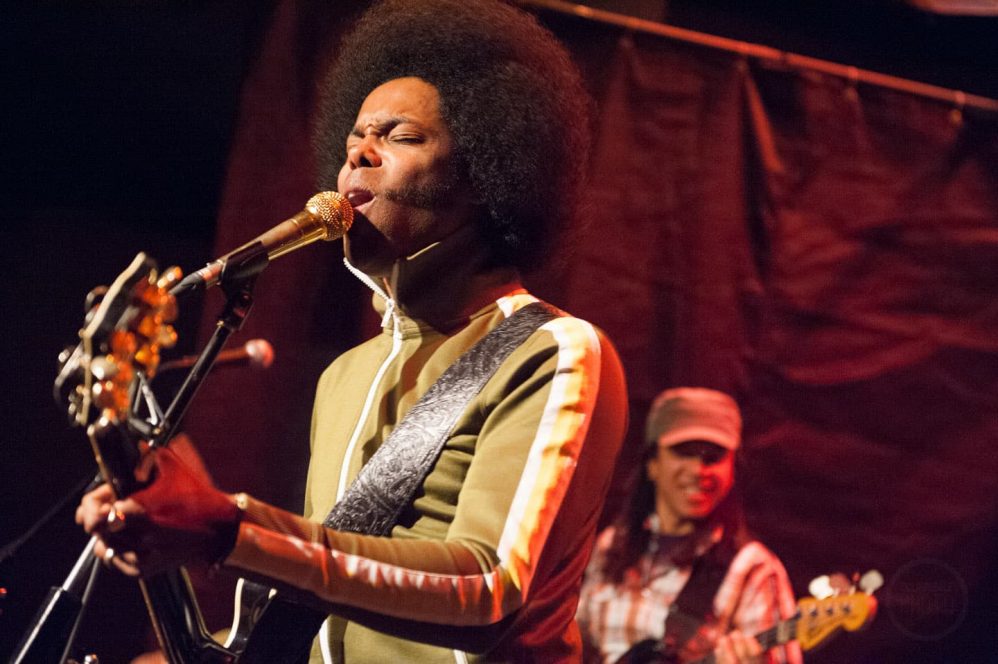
x=696 y=466
x=364 y=154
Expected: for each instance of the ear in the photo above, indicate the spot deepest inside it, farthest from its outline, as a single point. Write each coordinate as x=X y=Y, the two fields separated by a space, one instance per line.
x=651 y=469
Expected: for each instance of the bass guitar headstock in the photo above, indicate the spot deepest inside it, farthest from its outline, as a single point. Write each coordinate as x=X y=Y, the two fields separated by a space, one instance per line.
x=100 y=381
x=837 y=604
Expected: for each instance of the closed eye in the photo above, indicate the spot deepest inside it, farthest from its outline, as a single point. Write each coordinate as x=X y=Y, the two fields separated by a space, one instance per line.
x=406 y=138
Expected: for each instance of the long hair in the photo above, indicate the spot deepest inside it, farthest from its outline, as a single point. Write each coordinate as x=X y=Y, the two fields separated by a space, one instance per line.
x=509 y=94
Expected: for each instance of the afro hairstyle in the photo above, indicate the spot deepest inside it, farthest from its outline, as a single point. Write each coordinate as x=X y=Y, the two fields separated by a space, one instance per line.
x=510 y=95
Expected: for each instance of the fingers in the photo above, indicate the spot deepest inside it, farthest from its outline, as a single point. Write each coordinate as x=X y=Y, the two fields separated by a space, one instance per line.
x=123 y=526
x=100 y=514
x=99 y=511
x=117 y=525
x=94 y=507
x=126 y=562
x=175 y=519
x=738 y=648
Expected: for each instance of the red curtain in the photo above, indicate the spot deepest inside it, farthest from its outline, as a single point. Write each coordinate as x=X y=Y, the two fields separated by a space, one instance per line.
x=828 y=253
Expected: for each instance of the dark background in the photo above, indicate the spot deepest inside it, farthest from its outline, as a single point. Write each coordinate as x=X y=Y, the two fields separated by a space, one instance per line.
x=118 y=118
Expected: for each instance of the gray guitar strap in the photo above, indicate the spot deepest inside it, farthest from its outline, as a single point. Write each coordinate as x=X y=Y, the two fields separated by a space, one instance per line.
x=387 y=482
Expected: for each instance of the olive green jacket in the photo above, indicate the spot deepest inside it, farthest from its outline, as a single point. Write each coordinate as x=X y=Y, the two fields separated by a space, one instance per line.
x=489 y=555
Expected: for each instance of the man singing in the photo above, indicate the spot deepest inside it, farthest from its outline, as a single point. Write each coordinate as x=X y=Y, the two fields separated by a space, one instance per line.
x=458 y=130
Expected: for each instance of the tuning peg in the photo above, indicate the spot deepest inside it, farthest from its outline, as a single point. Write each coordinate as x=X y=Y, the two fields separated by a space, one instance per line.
x=103 y=368
x=170 y=277
x=93 y=299
x=840 y=583
x=871 y=581
x=65 y=354
x=820 y=588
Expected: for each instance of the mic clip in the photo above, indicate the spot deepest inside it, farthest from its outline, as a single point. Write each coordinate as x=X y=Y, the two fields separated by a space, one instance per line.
x=244 y=264
x=239 y=266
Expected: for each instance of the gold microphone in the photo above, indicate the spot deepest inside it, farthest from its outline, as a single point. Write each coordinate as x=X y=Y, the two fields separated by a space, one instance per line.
x=327 y=216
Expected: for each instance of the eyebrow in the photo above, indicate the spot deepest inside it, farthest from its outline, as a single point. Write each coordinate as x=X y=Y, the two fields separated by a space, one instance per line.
x=383 y=125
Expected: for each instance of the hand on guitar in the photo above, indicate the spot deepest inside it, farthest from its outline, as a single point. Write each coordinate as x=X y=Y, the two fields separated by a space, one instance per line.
x=738 y=648
x=180 y=517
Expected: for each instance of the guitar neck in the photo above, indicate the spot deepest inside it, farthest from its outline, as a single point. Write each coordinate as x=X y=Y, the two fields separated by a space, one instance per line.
x=814 y=621
x=169 y=597
x=782 y=632
x=777 y=635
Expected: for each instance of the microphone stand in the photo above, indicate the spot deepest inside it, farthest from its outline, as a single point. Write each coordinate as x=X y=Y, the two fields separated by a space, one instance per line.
x=50 y=637
x=237 y=280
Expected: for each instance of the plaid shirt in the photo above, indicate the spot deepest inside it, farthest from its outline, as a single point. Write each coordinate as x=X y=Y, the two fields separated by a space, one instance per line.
x=754 y=595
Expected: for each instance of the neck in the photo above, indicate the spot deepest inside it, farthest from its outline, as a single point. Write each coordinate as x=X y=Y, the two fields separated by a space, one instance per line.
x=670 y=523
x=448 y=281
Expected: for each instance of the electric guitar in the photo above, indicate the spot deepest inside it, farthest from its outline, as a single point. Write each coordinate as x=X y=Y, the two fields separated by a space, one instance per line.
x=815 y=621
x=104 y=382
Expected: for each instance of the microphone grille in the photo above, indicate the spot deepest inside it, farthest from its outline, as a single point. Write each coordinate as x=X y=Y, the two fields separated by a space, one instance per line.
x=260 y=352
x=335 y=212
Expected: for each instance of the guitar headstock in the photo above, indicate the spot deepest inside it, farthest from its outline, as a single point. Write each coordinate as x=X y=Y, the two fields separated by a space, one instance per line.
x=120 y=345
x=848 y=609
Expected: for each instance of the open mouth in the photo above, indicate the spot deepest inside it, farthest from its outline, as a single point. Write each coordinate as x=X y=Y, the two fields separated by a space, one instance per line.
x=359 y=198
x=700 y=490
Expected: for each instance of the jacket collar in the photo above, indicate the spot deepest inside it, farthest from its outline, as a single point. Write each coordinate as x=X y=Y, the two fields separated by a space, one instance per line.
x=440 y=286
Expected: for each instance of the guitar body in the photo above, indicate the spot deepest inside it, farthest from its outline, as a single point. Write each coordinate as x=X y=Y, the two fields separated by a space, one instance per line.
x=271 y=629
x=649 y=651
x=177 y=621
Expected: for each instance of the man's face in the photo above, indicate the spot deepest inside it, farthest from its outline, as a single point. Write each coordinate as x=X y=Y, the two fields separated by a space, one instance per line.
x=691 y=479
x=400 y=175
